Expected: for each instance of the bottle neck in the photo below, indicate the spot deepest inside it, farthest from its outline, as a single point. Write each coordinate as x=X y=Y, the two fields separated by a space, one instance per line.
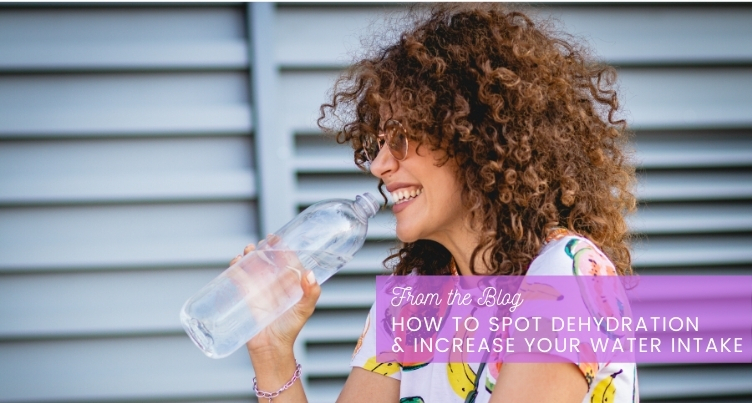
x=365 y=206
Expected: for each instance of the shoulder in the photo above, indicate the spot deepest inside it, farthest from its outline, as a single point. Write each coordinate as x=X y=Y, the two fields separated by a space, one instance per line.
x=568 y=253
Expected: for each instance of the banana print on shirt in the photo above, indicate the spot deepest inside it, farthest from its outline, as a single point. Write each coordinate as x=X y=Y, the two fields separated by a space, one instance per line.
x=565 y=253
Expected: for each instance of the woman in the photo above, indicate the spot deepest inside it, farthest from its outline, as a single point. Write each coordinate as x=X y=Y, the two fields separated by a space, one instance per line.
x=497 y=141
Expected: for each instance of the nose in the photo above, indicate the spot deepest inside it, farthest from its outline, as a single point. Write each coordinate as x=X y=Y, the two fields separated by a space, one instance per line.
x=384 y=163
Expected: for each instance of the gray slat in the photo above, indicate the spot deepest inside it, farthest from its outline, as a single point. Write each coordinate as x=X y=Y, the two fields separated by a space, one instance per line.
x=695 y=381
x=87 y=304
x=102 y=188
x=655 y=35
x=653 y=98
x=692 y=218
x=718 y=385
x=118 y=38
x=660 y=186
x=120 y=170
x=368 y=259
x=347 y=325
x=141 y=155
x=128 y=183
x=127 y=103
x=301 y=95
x=692 y=251
x=324 y=390
x=313 y=188
x=169 y=55
x=343 y=292
x=106 y=369
x=118 y=236
x=687 y=98
x=322 y=154
x=330 y=359
x=621 y=35
x=708 y=152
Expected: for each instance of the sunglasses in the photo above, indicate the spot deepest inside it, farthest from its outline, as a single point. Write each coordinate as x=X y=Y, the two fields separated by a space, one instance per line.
x=393 y=135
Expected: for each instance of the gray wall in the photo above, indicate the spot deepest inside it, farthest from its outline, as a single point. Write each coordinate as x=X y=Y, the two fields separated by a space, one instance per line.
x=134 y=163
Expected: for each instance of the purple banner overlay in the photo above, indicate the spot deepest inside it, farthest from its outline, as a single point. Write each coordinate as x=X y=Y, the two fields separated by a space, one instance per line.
x=642 y=319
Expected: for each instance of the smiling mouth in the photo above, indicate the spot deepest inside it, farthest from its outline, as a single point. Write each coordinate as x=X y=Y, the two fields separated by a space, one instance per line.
x=406 y=194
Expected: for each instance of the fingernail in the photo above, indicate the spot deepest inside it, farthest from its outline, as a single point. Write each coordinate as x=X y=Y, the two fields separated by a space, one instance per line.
x=310 y=278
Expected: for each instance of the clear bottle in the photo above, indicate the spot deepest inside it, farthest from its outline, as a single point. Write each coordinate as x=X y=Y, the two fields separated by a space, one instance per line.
x=250 y=294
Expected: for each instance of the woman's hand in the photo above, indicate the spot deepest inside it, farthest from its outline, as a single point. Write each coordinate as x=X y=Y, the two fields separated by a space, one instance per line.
x=279 y=337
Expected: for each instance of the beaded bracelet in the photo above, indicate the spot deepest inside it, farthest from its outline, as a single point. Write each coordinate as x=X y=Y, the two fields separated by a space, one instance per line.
x=272 y=395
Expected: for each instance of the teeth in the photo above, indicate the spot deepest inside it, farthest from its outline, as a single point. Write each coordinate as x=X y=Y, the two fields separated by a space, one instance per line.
x=400 y=196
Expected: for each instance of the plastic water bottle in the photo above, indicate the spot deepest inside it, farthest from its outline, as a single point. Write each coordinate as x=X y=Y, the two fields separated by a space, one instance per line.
x=250 y=294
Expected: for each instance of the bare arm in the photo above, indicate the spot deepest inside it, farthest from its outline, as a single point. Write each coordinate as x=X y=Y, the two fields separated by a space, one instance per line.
x=539 y=382
x=367 y=386
x=271 y=350
x=273 y=360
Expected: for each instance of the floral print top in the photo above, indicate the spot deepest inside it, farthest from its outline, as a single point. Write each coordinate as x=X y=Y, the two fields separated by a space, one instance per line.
x=565 y=253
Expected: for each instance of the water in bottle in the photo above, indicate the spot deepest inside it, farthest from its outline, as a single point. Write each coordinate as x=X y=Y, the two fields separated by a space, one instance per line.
x=250 y=294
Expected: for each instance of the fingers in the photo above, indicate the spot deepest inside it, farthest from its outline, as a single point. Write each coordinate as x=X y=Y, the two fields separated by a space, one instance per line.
x=248 y=248
x=311 y=293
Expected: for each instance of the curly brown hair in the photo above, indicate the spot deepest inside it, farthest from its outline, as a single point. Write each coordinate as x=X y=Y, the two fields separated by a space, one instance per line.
x=526 y=115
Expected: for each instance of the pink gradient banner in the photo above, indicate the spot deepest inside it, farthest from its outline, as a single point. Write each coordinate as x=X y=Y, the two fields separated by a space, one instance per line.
x=645 y=319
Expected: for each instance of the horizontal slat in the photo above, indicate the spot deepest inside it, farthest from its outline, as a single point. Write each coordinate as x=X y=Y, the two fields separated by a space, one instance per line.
x=691 y=186
x=382 y=226
x=335 y=325
x=136 y=221
x=103 y=56
x=112 y=236
x=691 y=218
x=324 y=164
x=122 y=38
x=148 y=90
x=692 y=251
x=694 y=153
x=117 y=23
x=653 y=186
x=652 y=98
x=686 y=98
x=115 y=369
x=324 y=390
x=628 y=35
x=349 y=292
x=694 y=381
x=301 y=95
x=655 y=384
x=320 y=154
x=100 y=188
x=71 y=254
x=89 y=122
x=106 y=104
x=86 y=304
x=621 y=35
x=330 y=359
x=121 y=303
x=368 y=259
x=312 y=188
x=142 y=155
x=126 y=170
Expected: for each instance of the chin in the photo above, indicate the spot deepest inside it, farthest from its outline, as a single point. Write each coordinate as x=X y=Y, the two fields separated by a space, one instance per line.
x=406 y=236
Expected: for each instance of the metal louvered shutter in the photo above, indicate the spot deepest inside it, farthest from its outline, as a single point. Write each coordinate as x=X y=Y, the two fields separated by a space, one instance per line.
x=126 y=183
x=128 y=179
x=686 y=80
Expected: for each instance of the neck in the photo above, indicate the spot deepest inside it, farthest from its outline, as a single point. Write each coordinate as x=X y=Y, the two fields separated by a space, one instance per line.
x=461 y=246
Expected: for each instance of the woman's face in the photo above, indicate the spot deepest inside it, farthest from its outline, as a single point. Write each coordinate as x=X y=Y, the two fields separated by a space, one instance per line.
x=427 y=197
